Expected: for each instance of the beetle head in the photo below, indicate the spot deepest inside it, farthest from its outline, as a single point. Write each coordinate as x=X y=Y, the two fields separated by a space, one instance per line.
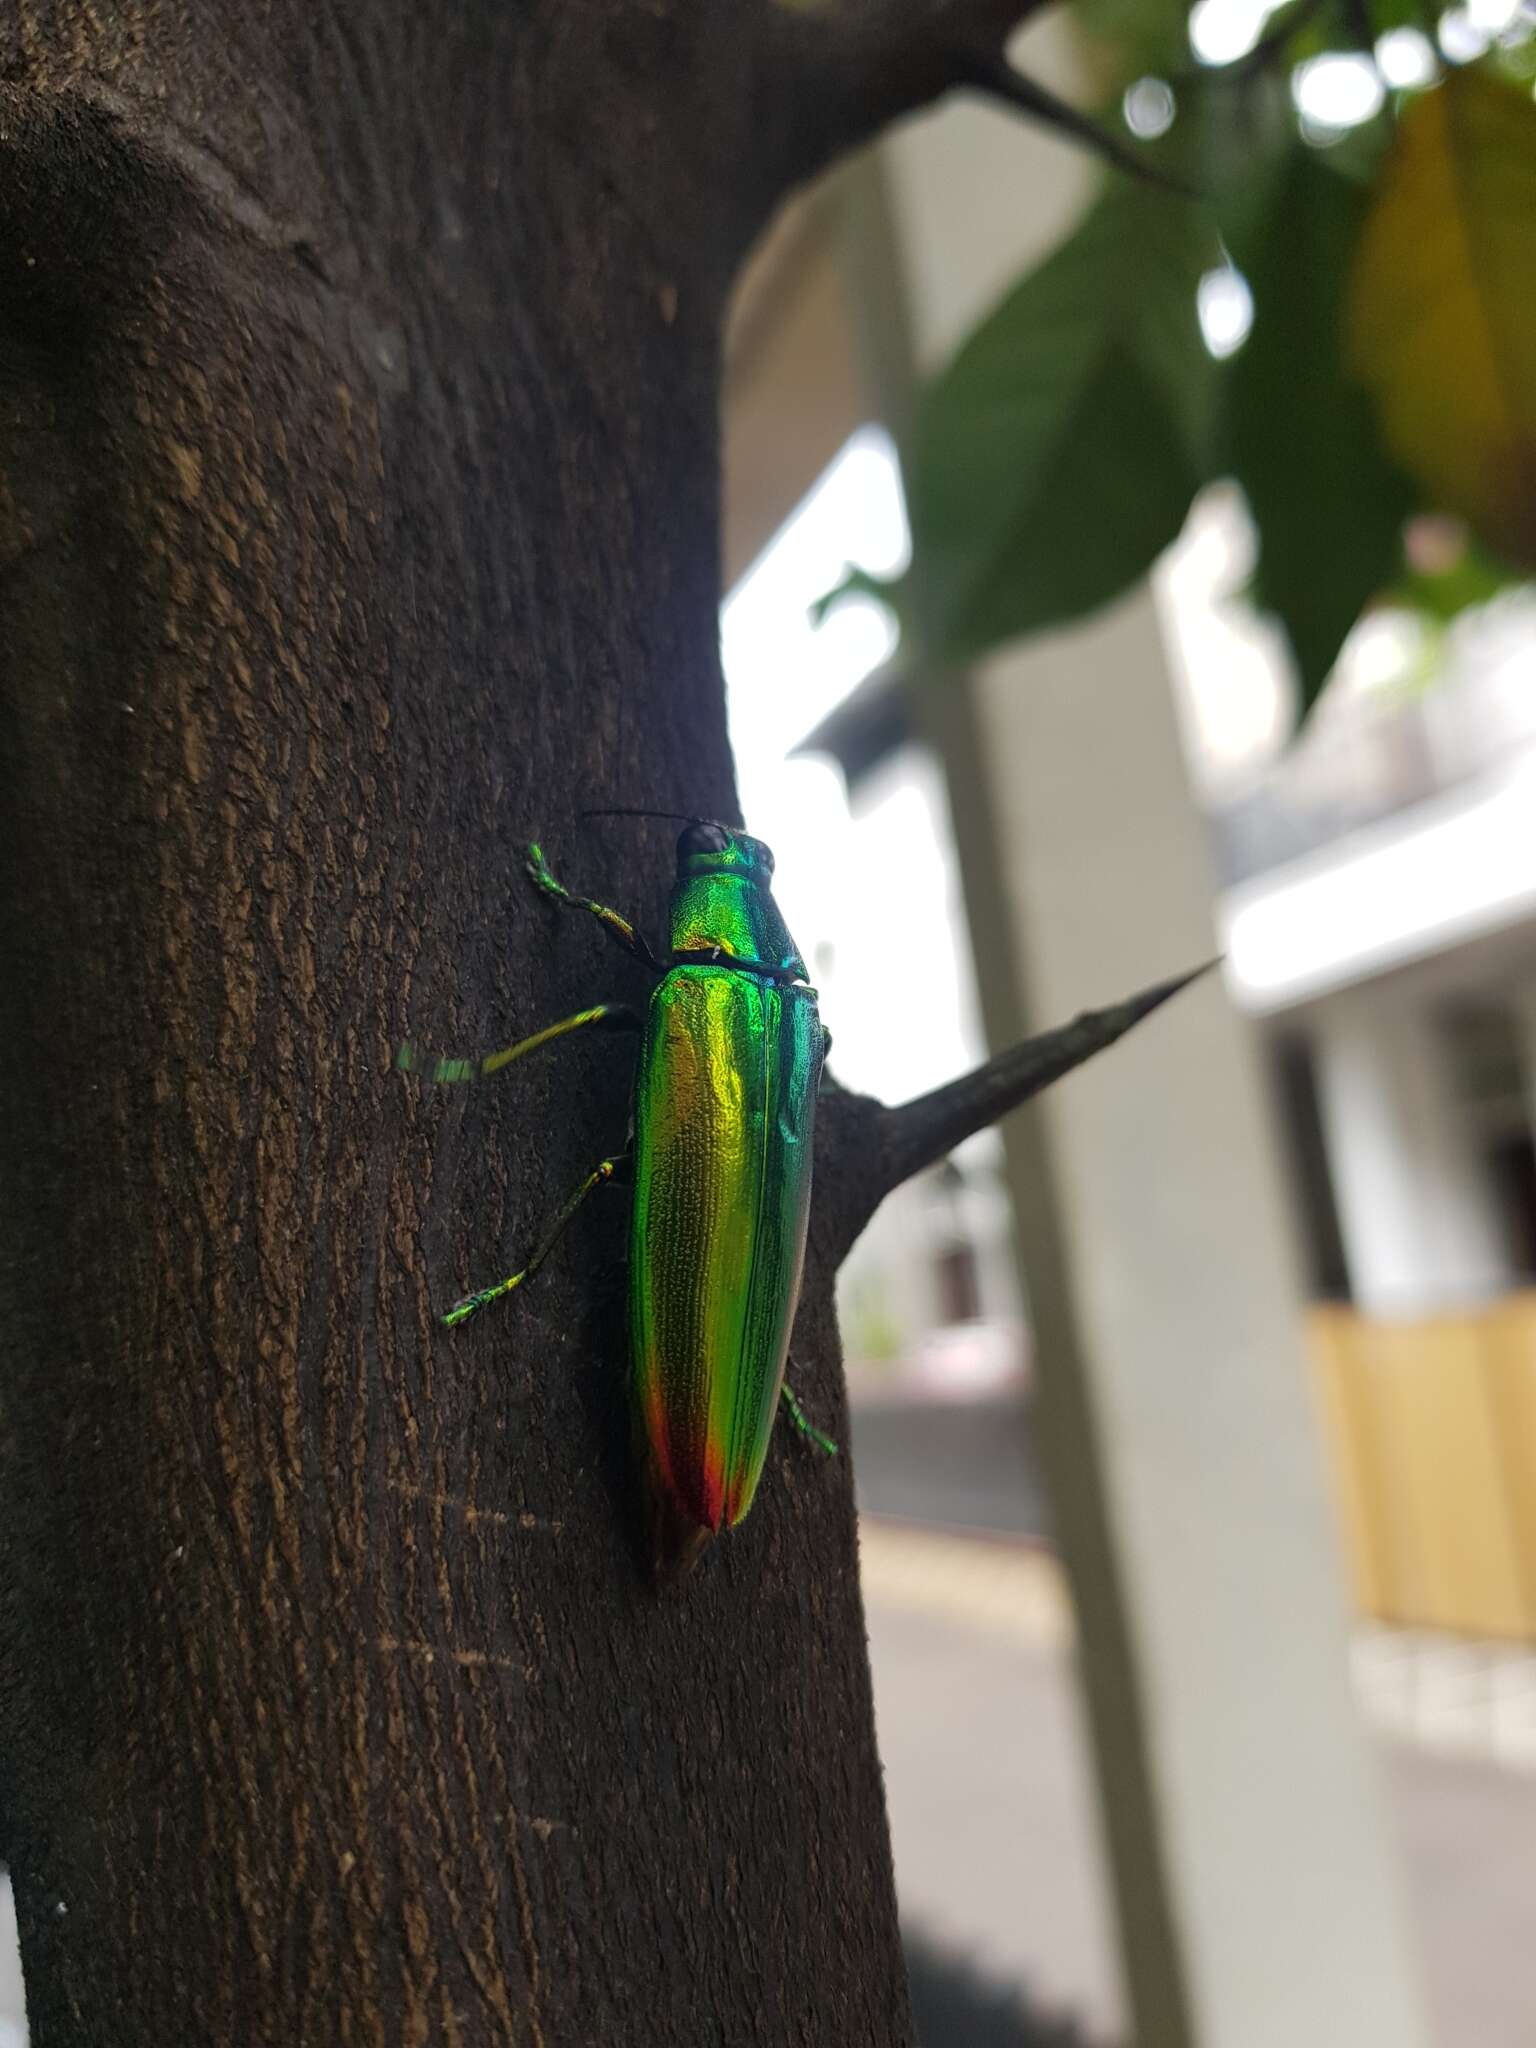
x=722 y=901
x=706 y=848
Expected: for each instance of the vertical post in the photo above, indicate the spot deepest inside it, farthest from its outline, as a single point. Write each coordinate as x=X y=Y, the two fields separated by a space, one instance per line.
x=1256 y=1900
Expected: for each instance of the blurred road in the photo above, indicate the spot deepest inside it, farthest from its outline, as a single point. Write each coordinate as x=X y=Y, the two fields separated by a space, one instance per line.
x=992 y=1813
x=959 y=1464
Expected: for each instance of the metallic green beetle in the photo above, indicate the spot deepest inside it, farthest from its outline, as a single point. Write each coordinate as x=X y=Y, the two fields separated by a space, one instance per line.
x=720 y=1156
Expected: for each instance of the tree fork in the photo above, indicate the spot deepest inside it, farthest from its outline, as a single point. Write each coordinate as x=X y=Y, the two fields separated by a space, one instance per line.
x=358 y=511
x=849 y=68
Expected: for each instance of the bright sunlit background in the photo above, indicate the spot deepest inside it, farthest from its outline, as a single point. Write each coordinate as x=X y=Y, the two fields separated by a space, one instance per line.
x=860 y=896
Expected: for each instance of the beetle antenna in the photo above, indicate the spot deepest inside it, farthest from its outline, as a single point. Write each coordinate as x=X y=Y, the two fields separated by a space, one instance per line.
x=676 y=818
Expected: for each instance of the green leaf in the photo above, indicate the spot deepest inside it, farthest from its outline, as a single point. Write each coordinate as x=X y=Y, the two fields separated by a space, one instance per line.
x=1231 y=133
x=1514 y=55
x=1136 y=36
x=1390 y=14
x=1300 y=437
x=1056 y=456
x=1442 y=312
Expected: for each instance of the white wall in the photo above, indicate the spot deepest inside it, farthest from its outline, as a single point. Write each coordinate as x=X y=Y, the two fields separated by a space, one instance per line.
x=1416 y=1212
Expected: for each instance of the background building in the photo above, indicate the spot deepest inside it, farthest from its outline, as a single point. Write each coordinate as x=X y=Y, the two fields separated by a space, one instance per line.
x=1276 y=1250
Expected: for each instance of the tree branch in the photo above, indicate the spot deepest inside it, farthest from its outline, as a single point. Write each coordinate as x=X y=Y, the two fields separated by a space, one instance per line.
x=989 y=72
x=870 y=1149
x=848 y=71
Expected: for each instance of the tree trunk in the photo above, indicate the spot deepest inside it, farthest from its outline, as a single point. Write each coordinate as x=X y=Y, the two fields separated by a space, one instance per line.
x=358 y=508
x=359 y=523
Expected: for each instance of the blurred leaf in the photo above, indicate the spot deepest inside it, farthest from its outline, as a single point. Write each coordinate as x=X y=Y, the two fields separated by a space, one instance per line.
x=1228 y=133
x=1359 y=153
x=1056 y=456
x=1442 y=313
x=1301 y=437
x=1515 y=54
x=1136 y=36
x=1390 y=14
x=1237 y=130
x=1319 y=31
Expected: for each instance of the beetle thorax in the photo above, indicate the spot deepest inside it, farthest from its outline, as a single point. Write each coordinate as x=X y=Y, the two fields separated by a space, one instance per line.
x=722 y=903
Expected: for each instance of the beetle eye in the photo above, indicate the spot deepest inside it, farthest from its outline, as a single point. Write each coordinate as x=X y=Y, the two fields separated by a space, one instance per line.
x=703 y=839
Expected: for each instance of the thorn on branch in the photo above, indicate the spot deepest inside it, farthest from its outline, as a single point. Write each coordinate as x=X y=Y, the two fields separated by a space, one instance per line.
x=871 y=1149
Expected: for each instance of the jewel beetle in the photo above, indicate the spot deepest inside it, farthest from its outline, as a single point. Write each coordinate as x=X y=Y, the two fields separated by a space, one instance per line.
x=719 y=1159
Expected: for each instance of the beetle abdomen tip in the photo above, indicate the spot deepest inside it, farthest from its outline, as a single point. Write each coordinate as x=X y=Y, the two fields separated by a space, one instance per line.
x=677 y=1540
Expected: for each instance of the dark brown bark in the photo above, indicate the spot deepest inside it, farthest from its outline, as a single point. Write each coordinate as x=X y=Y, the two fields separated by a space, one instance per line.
x=358 y=373
x=359 y=459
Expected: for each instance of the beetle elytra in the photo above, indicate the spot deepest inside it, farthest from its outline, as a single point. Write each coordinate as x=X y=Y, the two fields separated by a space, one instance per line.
x=719 y=1158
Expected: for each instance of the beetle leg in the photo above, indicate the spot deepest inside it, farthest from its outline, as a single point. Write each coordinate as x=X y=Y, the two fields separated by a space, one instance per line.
x=802 y=1422
x=605 y=1016
x=619 y=927
x=471 y=1305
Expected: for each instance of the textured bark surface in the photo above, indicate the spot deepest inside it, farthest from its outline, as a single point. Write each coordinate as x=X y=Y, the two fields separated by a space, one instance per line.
x=358 y=521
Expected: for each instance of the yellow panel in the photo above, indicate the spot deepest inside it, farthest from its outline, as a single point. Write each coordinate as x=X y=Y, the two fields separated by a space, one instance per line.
x=1354 y=1455
x=1432 y=1439
x=1388 y=1366
x=1510 y=1357
x=1450 y=1512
